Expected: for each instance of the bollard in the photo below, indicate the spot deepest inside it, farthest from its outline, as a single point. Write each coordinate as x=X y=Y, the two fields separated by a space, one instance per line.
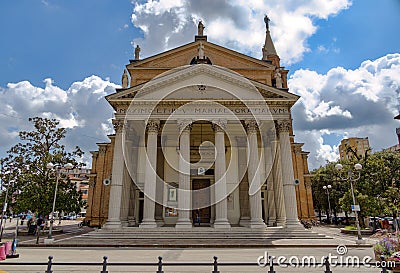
x=215 y=265
x=383 y=265
x=327 y=265
x=104 y=265
x=49 y=264
x=271 y=265
x=160 y=265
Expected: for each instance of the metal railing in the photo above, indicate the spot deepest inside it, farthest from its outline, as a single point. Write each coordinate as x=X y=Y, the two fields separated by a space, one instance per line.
x=215 y=265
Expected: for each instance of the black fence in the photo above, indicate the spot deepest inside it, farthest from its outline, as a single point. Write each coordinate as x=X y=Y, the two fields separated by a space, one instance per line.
x=215 y=266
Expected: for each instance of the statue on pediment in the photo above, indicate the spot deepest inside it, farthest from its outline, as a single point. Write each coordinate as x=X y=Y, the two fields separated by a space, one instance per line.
x=201 y=51
x=125 y=80
x=278 y=78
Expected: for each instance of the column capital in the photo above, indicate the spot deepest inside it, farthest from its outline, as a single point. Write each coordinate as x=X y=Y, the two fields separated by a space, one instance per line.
x=184 y=125
x=251 y=126
x=283 y=126
x=297 y=149
x=153 y=126
x=219 y=125
x=118 y=125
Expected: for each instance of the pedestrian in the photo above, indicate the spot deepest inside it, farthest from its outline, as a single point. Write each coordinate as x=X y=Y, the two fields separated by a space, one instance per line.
x=197 y=217
x=40 y=222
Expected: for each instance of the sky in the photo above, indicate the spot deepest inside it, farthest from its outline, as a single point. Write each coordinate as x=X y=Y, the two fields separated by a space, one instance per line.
x=59 y=59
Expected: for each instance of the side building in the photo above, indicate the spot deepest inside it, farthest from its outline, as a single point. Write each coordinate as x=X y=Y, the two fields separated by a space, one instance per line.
x=354 y=147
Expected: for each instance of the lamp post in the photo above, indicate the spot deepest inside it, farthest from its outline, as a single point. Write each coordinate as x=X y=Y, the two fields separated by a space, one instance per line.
x=51 y=166
x=353 y=177
x=327 y=188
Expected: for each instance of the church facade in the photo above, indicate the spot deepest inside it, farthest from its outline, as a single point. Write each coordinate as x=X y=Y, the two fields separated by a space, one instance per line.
x=203 y=137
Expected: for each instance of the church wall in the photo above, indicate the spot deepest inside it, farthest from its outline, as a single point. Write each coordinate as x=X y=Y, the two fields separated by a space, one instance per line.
x=303 y=192
x=99 y=193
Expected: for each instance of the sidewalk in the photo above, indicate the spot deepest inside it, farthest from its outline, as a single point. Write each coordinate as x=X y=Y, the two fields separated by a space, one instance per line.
x=137 y=255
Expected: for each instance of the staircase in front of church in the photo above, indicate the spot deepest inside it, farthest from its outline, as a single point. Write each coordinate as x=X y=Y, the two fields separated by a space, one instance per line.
x=170 y=237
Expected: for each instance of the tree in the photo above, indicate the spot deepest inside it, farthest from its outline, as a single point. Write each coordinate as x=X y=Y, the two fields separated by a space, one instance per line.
x=31 y=184
x=325 y=176
x=377 y=190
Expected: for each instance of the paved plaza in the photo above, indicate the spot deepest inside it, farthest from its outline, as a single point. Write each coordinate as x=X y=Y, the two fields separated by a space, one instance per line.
x=132 y=255
x=290 y=250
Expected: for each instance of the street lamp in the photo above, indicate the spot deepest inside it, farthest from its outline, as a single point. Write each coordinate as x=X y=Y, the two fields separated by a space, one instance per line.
x=353 y=177
x=57 y=167
x=327 y=188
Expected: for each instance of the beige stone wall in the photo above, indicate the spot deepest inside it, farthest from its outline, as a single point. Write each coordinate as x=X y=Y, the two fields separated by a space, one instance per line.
x=99 y=194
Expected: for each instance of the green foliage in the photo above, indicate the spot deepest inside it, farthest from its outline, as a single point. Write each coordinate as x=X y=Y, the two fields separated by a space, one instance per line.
x=32 y=184
x=376 y=191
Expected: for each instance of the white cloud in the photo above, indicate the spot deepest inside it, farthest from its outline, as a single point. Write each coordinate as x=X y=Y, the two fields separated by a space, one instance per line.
x=360 y=102
x=228 y=22
x=81 y=109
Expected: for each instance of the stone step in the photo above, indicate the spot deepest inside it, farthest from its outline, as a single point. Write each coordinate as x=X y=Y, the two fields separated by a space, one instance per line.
x=207 y=234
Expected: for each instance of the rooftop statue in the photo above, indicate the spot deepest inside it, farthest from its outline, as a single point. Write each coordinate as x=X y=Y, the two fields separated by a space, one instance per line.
x=200 y=29
x=137 y=52
x=266 y=20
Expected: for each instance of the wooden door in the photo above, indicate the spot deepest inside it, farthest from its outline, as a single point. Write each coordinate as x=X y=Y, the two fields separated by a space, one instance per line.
x=201 y=200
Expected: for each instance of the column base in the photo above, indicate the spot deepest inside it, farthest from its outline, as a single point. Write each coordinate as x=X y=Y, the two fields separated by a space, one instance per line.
x=257 y=223
x=160 y=222
x=222 y=223
x=272 y=223
x=131 y=221
x=112 y=225
x=244 y=221
x=124 y=223
x=281 y=222
x=183 y=224
x=148 y=223
x=294 y=224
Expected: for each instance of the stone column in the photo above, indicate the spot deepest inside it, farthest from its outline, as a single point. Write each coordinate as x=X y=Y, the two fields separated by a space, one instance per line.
x=133 y=169
x=114 y=207
x=302 y=209
x=256 y=220
x=278 y=187
x=244 y=185
x=221 y=209
x=150 y=175
x=184 y=176
x=125 y=198
x=271 y=210
x=283 y=128
x=132 y=202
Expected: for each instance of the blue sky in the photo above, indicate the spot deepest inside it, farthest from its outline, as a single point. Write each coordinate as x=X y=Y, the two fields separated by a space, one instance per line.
x=83 y=46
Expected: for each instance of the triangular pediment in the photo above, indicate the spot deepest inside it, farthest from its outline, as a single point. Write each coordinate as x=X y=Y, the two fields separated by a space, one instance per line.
x=204 y=82
x=218 y=55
